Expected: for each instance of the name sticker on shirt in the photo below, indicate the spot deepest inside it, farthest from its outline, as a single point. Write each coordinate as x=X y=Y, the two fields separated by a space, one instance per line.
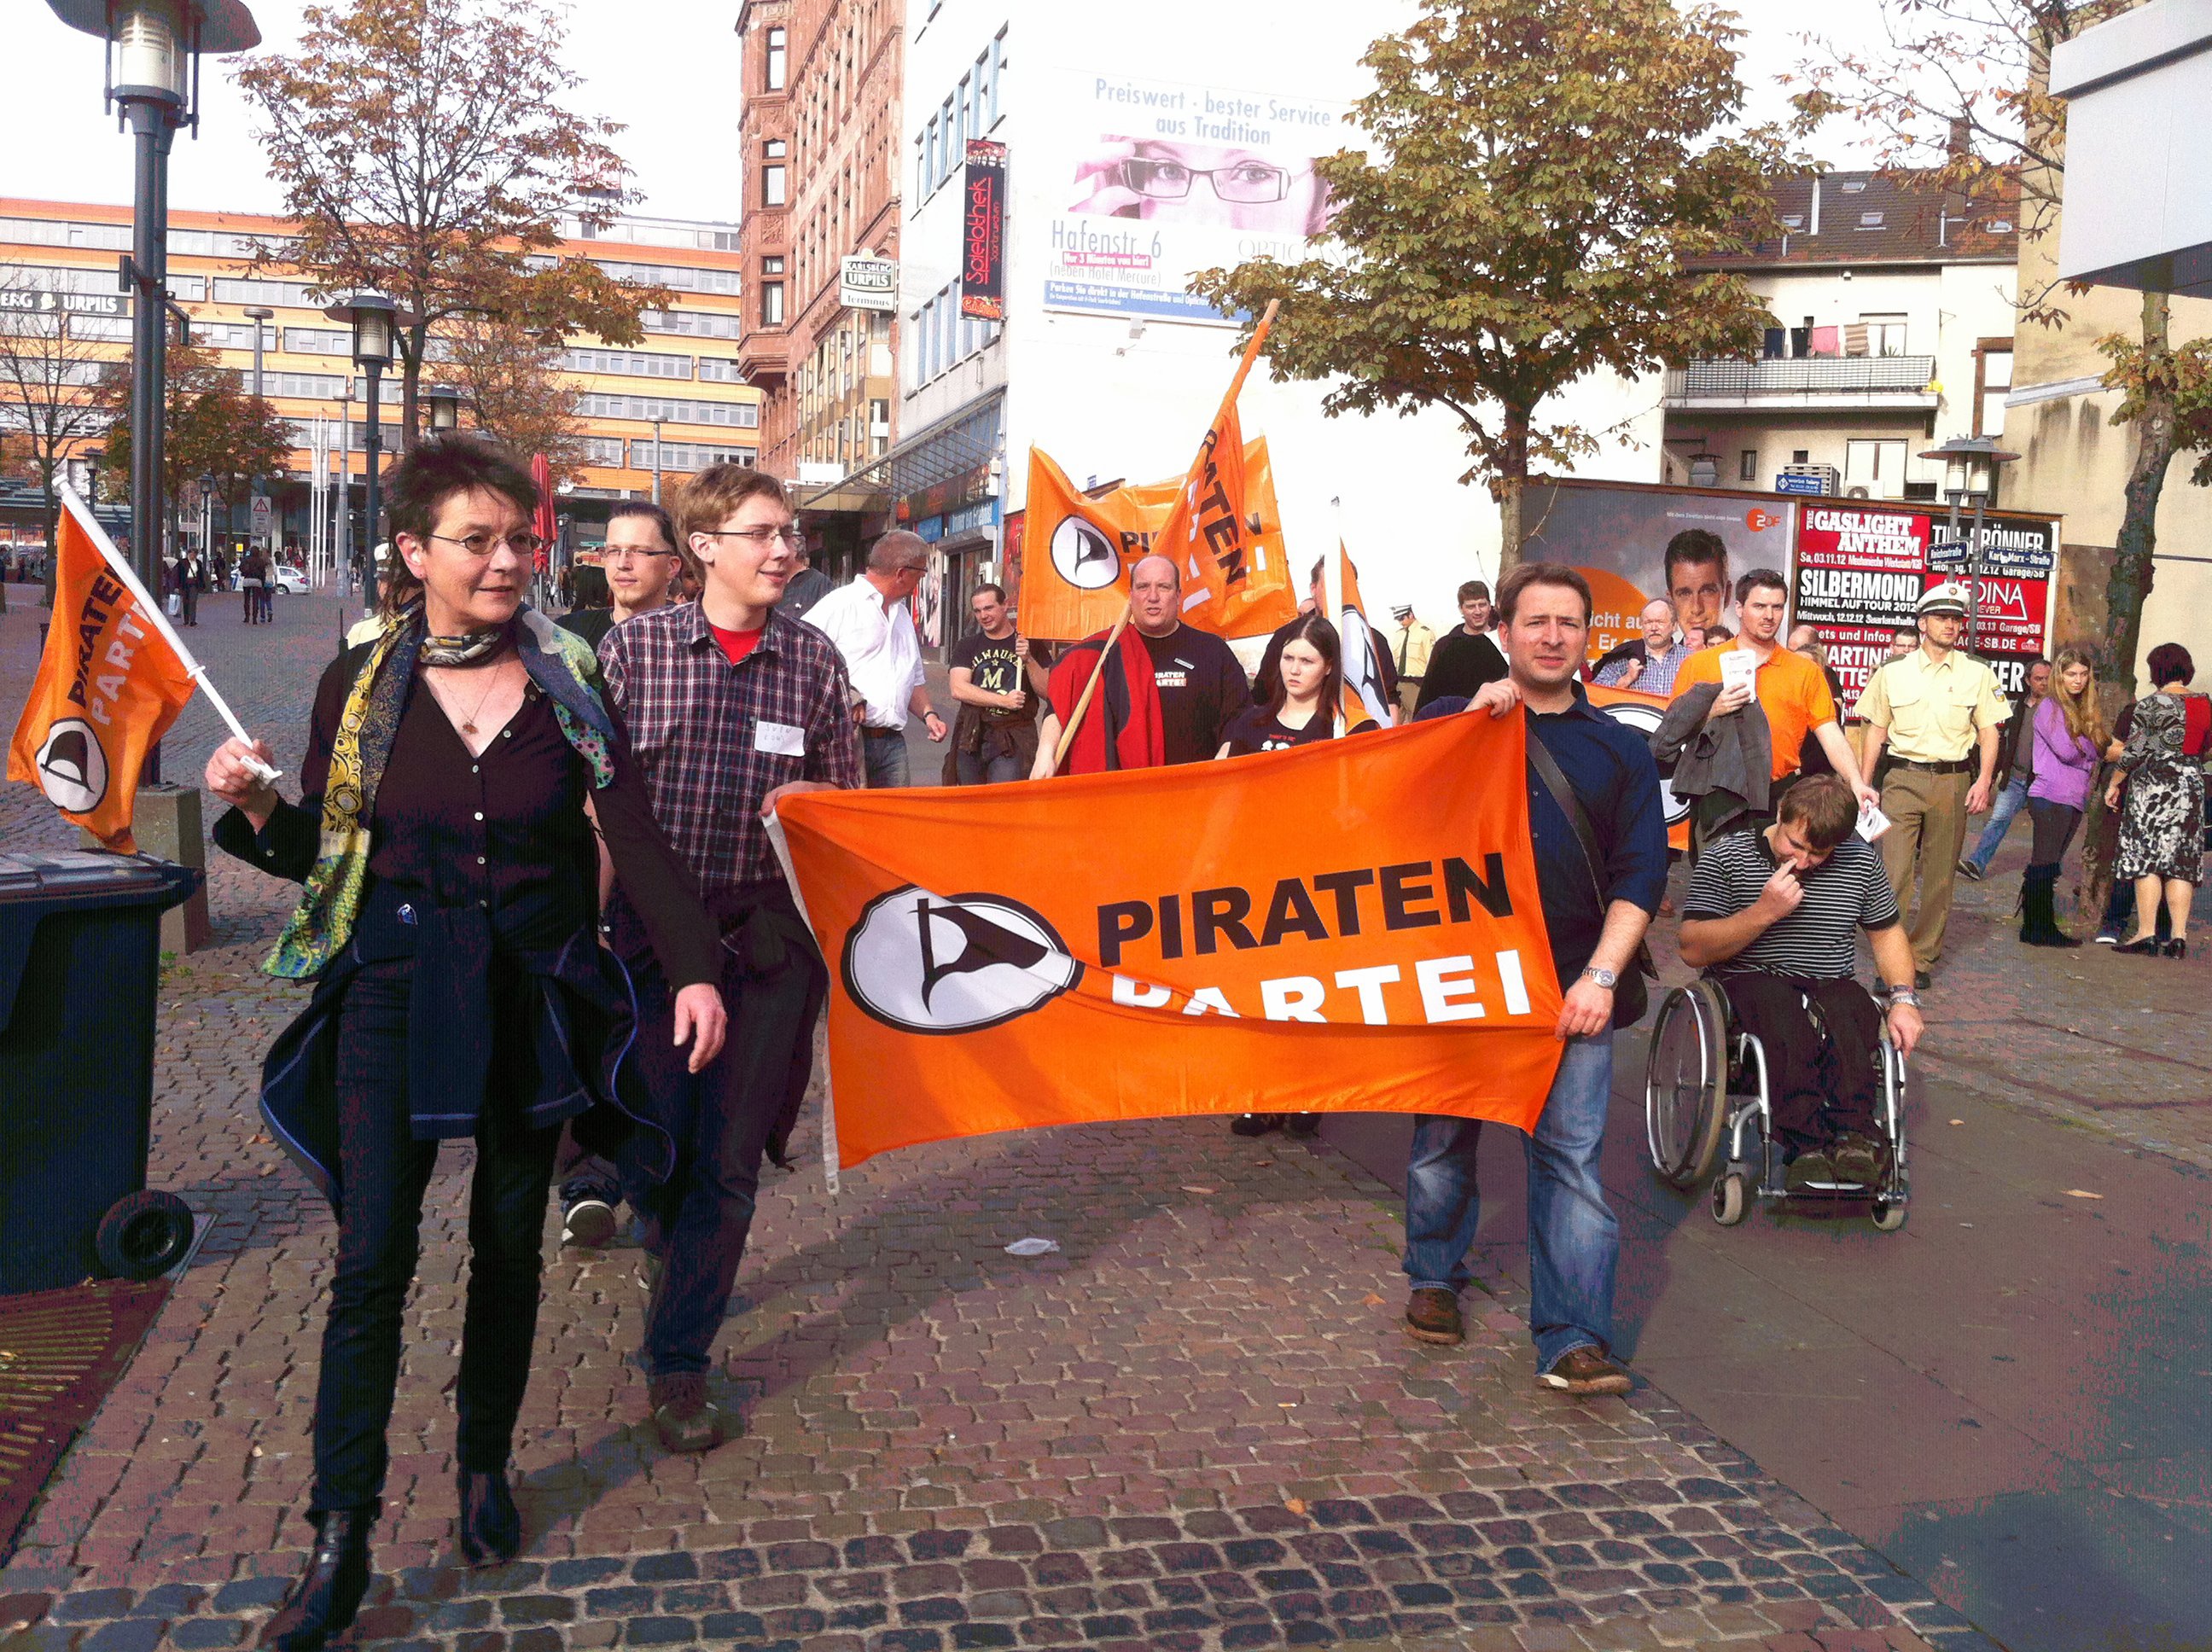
x=782 y=739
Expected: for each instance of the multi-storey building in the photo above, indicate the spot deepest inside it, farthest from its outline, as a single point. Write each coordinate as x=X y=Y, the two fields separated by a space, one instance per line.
x=678 y=392
x=764 y=148
x=821 y=129
x=1894 y=320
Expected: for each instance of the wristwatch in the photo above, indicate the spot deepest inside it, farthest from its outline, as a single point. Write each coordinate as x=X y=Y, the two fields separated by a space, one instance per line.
x=1904 y=995
x=1604 y=978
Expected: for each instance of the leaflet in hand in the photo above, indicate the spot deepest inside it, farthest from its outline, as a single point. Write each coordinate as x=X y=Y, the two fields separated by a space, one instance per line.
x=1739 y=669
x=1872 y=822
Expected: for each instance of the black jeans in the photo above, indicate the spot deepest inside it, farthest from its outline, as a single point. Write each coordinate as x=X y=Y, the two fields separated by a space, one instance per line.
x=2054 y=830
x=1819 y=1086
x=697 y=1221
x=384 y=1171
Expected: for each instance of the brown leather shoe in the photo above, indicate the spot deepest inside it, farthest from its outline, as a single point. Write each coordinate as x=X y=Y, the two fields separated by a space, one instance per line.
x=680 y=1412
x=1432 y=1315
x=1586 y=1370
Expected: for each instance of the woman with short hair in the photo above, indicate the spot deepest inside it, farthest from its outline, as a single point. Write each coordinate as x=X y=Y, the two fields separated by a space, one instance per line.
x=449 y=923
x=2162 y=831
x=2068 y=735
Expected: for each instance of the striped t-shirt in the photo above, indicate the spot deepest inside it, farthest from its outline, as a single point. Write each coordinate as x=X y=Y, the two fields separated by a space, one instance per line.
x=1847 y=892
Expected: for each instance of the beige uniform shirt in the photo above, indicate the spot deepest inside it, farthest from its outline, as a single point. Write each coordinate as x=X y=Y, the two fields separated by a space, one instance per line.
x=1933 y=713
x=1410 y=645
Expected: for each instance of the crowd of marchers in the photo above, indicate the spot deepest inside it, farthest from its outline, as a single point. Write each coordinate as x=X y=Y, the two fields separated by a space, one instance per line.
x=526 y=848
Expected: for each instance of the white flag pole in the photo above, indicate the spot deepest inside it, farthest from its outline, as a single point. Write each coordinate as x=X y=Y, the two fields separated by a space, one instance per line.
x=1332 y=608
x=122 y=569
x=781 y=845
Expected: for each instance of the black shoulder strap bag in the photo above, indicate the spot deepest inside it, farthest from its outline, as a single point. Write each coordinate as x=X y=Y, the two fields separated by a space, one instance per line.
x=1630 y=996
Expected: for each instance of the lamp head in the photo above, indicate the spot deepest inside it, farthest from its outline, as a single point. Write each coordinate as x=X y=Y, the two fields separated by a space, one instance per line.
x=374 y=318
x=444 y=408
x=151 y=43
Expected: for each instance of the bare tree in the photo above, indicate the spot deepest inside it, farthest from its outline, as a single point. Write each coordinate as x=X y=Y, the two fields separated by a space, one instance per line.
x=49 y=370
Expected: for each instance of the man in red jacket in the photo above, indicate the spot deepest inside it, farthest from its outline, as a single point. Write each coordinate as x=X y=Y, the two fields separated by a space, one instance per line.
x=1167 y=691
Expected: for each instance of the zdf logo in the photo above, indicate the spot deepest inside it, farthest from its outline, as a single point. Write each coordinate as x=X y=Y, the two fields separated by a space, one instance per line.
x=935 y=963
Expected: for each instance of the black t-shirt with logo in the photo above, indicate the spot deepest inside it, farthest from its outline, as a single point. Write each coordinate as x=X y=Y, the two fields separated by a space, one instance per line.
x=1201 y=687
x=993 y=666
x=1256 y=729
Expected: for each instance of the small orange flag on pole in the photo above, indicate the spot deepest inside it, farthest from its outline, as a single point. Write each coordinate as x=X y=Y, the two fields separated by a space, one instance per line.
x=111 y=682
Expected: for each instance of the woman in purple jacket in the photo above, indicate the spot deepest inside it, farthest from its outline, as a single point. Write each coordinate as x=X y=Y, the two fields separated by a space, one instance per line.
x=2070 y=736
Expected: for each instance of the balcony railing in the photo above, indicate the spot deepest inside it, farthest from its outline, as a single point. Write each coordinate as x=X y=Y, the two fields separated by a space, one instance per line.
x=1806 y=378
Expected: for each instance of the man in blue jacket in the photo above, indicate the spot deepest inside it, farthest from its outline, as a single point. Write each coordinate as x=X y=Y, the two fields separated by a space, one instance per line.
x=1598 y=899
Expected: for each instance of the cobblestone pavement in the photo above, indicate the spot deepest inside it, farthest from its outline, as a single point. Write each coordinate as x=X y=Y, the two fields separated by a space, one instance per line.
x=1196 y=1425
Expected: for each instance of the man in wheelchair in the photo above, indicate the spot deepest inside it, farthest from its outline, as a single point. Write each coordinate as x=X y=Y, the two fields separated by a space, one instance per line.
x=1773 y=916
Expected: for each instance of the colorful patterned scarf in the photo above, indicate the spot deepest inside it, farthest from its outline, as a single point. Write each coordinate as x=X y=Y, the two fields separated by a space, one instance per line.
x=561 y=664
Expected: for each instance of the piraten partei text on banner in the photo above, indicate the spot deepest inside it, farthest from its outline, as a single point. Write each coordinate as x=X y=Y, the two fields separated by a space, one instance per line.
x=1354 y=925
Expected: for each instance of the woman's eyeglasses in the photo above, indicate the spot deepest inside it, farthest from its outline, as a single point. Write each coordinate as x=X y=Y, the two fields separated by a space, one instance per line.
x=480 y=544
x=1248 y=183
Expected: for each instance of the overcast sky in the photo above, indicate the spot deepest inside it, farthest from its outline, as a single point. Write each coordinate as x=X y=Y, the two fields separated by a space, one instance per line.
x=675 y=93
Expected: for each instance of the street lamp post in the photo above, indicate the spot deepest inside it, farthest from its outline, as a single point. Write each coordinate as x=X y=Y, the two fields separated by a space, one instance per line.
x=154 y=48
x=1969 y=478
x=372 y=317
x=257 y=313
x=656 y=461
x=344 y=552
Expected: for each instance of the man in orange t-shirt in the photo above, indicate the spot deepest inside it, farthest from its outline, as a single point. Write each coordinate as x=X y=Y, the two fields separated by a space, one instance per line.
x=1790 y=688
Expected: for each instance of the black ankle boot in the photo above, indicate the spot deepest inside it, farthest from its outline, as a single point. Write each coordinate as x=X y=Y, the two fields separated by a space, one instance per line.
x=323 y=1602
x=490 y=1525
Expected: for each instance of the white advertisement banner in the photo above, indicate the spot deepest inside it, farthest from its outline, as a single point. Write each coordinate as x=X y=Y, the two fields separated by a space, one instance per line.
x=1161 y=178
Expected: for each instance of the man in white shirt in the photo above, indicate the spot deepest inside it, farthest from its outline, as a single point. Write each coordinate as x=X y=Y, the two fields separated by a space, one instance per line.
x=869 y=621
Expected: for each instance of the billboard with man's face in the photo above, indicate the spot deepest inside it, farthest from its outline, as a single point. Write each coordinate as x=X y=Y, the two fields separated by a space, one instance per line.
x=1617 y=534
x=1166 y=178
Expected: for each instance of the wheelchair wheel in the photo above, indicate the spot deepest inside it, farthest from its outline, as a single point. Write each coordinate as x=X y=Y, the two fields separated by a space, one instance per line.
x=1888 y=1216
x=1686 y=1083
x=1731 y=1199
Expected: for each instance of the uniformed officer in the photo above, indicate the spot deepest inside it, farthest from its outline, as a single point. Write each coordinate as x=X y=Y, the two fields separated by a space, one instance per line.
x=1938 y=710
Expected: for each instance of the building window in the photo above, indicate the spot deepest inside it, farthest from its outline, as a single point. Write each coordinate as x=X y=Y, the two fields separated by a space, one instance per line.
x=772 y=186
x=777 y=56
x=772 y=264
x=1746 y=466
x=996 y=60
x=1884 y=334
x=771 y=304
x=774 y=149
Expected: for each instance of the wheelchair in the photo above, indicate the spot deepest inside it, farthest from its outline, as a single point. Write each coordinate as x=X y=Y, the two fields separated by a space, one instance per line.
x=1705 y=1078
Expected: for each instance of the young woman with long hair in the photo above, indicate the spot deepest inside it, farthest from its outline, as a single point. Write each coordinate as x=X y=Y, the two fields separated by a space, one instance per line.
x=1308 y=688
x=2069 y=735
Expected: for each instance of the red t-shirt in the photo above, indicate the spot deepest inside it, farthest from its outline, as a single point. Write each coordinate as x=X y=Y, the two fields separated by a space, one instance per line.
x=736 y=645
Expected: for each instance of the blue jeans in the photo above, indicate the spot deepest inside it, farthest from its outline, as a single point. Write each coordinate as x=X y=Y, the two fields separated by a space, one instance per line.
x=1574 y=1242
x=976 y=770
x=883 y=750
x=2009 y=802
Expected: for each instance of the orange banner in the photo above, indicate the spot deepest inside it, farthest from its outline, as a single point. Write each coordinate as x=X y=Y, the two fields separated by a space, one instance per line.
x=1350 y=927
x=1641 y=712
x=108 y=687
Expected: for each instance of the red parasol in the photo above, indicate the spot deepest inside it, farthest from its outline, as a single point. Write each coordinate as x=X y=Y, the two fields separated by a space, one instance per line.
x=541 y=474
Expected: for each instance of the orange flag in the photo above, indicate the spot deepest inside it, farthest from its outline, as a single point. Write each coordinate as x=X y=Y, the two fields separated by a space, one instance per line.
x=109 y=685
x=1641 y=712
x=1219 y=523
x=1351 y=925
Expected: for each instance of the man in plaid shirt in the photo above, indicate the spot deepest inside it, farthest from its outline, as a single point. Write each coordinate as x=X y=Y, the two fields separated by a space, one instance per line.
x=729 y=706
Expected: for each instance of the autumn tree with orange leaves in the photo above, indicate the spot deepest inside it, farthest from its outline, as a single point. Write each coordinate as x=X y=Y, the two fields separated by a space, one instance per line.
x=423 y=149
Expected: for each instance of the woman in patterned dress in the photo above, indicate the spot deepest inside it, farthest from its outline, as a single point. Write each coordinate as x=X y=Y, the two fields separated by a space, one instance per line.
x=2162 y=831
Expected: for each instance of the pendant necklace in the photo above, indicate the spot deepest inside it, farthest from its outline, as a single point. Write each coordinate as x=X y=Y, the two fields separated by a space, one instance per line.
x=469 y=723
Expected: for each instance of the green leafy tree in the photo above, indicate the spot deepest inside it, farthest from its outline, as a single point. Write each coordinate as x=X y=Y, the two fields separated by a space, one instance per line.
x=423 y=147
x=1543 y=174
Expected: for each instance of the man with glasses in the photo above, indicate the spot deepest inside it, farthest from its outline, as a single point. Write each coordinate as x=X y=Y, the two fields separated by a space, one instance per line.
x=641 y=563
x=869 y=622
x=729 y=706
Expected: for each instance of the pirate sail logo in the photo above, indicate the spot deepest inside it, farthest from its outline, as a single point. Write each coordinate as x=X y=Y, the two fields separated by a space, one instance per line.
x=931 y=964
x=73 y=765
x=1083 y=556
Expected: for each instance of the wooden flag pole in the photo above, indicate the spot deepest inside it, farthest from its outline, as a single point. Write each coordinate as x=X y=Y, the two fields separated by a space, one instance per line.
x=1082 y=706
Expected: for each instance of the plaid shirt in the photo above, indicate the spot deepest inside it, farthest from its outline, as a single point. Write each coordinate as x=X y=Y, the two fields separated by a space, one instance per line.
x=698 y=725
